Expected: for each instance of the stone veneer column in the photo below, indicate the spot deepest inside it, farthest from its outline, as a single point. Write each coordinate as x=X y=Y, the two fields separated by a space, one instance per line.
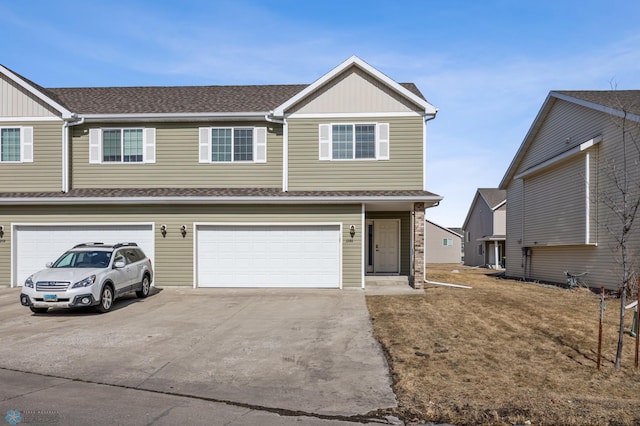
x=418 y=245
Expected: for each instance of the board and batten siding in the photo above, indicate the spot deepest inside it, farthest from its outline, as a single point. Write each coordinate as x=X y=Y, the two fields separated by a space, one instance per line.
x=173 y=261
x=480 y=225
x=403 y=170
x=354 y=91
x=177 y=161
x=17 y=102
x=45 y=172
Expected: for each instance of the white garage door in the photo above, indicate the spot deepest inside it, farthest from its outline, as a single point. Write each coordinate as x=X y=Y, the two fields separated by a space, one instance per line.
x=35 y=245
x=268 y=256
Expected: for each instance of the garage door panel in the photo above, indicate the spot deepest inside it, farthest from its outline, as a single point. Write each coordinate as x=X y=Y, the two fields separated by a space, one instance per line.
x=36 y=245
x=268 y=256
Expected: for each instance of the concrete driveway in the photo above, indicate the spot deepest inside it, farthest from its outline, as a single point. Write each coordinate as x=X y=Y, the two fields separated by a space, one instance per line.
x=306 y=351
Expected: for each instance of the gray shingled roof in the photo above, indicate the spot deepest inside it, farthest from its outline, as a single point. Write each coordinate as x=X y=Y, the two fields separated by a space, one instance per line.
x=213 y=193
x=179 y=99
x=628 y=100
x=493 y=196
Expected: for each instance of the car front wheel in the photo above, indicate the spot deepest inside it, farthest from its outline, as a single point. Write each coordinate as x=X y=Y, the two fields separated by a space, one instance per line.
x=144 y=288
x=106 y=299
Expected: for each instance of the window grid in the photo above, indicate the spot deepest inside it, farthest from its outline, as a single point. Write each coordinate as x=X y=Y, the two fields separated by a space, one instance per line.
x=353 y=141
x=10 y=144
x=221 y=146
x=122 y=146
x=231 y=144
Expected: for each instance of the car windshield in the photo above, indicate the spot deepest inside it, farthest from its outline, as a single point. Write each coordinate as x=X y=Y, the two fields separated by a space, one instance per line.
x=83 y=259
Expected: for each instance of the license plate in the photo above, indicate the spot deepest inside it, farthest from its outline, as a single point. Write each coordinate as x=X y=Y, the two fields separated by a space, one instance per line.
x=50 y=297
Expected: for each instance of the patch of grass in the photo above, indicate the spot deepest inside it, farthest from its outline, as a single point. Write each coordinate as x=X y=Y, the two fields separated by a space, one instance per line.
x=505 y=352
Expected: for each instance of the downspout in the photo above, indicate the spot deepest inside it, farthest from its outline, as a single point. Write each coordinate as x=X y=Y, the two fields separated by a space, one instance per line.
x=73 y=121
x=424 y=149
x=285 y=150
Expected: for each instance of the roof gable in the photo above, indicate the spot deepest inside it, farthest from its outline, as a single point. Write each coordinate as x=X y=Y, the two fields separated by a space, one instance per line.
x=449 y=230
x=612 y=102
x=425 y=107
x=494 y=198
x=36 y=93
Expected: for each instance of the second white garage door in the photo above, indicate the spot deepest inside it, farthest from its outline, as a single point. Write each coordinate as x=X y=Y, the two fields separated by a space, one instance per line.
x=268 y=256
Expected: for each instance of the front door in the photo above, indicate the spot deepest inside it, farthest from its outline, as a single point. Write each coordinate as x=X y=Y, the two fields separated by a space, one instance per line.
x=383 y=242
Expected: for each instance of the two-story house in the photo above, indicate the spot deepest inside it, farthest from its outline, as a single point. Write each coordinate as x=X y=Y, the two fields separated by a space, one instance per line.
x=485 y=228
x=442 y=245
x=567 y=187
x=309 y=185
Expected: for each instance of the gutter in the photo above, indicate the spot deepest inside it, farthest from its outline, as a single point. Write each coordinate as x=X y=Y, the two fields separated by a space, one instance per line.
x=74 y=121
x=285 y=149
x=424 y=149
x=201 y=116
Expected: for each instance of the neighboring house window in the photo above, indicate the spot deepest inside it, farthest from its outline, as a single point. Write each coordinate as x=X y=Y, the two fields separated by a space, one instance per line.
x=468 y=236
x=480 y=251
x=16 y=144
x=447 y=242
x=121 y=145
x=233 y=144
x=357 y=141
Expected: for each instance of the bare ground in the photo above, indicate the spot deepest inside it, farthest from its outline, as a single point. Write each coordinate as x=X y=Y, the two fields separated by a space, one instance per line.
x=505 y=352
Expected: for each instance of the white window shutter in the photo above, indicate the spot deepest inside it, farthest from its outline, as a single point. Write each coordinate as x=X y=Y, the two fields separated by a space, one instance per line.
x=205 y=144
x=382 y=141
x=260 y=144
x=149 y=145
x=95 y=145
x=325 y=141
x=26 y=144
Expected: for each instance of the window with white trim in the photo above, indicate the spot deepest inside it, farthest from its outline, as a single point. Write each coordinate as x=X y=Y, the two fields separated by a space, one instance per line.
x=122 y=145
x=447 y=242
x=354 y=141
x=233 y=144
x=16 y=144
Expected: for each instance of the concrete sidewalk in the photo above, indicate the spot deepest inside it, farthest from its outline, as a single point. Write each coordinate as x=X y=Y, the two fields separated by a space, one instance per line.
x=307 y=351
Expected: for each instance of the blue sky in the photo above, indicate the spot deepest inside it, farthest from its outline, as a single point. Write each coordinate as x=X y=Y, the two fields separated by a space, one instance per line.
x=487 y=65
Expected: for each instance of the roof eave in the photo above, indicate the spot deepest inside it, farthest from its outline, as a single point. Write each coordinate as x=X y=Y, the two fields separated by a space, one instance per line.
x=204 y=116
x=218 y=200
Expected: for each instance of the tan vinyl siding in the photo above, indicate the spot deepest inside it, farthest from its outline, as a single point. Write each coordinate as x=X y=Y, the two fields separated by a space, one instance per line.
x=17 y=102
x=174 y=253
x=585 y=124
x=435 y=251
x=405 y=236
x=559 y=185
x=45 y=172
x=555 y=203
x=402 y=171
x=177 y=161
x=354 y=91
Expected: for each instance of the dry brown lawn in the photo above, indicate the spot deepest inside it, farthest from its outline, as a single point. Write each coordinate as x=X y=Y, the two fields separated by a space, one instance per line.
x=505 y=352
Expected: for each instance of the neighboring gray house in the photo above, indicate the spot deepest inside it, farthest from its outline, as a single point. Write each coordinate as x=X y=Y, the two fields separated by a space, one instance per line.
x=485 y=229
x=560 y=185
x=442 y=245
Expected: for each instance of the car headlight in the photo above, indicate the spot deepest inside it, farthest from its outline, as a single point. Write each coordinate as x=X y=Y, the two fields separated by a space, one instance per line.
x=85 y=283
x=29 y=282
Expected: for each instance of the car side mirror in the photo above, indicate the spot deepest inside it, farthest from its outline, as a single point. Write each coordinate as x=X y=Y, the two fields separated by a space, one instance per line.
x=118 y=264
x=49 y=264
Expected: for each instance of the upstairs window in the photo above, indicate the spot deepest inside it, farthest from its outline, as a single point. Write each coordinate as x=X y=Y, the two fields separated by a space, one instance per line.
x=122 y=145
x=16 y=144
x=358 y=141
x=447 y=242
x=233 y=144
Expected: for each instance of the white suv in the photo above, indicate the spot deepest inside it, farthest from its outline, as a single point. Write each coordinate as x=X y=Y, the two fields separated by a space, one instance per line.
x=90 y=274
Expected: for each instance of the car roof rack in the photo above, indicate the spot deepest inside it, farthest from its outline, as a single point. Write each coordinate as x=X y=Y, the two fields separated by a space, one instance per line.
x=115 y=246
x=88 y=244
